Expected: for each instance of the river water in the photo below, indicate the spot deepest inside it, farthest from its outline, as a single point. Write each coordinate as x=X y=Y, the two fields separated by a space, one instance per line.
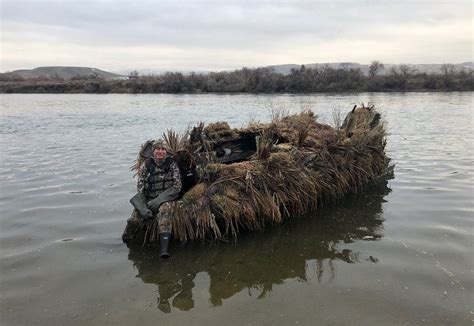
x=400 y=253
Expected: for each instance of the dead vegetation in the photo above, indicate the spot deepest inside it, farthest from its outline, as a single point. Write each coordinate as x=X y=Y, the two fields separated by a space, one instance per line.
x=298 y=164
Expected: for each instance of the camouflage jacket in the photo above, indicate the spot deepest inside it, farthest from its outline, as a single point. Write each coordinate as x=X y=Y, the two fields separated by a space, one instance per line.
x=154 y=178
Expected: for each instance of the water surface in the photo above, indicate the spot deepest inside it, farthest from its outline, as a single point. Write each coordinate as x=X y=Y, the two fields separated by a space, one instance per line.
x=398 y=253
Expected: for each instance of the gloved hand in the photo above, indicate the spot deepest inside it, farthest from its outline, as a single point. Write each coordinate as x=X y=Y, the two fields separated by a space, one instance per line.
x=167 y=195
x=155 y=204
x=145 y=213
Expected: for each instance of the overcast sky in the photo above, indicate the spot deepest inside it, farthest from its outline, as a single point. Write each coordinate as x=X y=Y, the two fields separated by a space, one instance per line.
x=216 y=35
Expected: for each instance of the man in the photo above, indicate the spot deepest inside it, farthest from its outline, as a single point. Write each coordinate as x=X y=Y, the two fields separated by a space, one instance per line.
x=159 y=183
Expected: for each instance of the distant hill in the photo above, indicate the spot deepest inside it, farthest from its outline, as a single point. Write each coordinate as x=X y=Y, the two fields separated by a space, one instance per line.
x=64 y=72
x=285 y=69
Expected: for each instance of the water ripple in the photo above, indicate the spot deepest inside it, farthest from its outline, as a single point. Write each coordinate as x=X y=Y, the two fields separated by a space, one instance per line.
x=402 y=255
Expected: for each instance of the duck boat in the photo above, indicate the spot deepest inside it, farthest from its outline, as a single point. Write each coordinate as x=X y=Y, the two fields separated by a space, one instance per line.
x=247 y=179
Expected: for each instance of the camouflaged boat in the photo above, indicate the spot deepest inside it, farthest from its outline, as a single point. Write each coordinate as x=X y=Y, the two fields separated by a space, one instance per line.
x=250 y=178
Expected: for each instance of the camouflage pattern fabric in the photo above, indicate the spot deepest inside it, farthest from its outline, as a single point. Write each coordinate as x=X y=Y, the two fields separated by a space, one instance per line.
x=144 y=175
x=164 y=217
x=165 y=214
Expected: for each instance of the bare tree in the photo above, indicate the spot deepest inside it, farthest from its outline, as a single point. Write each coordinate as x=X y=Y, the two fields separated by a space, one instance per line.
x=401 y=75
x=344 y=65
x=448 y=71
x=374 y=68
x=133 y=75
x=406 y=71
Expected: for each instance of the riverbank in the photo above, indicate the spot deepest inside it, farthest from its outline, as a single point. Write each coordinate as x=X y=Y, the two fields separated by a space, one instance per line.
x=252 y=81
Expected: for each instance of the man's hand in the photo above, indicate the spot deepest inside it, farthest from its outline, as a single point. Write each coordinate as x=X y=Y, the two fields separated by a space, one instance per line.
x=139 y=202
x=155 y=204
x=145 y=213
x=169 y=194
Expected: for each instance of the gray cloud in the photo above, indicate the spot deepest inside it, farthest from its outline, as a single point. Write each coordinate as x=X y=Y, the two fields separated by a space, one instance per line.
x=220 y=25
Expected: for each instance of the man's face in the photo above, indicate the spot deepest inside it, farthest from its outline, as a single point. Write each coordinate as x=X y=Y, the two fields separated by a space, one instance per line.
x=159 y=153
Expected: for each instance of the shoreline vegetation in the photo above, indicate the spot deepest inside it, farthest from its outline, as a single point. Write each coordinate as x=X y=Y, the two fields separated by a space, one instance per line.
x=260 y=80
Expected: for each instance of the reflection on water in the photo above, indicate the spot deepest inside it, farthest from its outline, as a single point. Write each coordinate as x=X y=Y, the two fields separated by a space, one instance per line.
x=256 y=262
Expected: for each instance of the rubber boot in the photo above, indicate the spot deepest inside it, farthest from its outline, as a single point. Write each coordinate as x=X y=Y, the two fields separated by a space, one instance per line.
x=164 y=243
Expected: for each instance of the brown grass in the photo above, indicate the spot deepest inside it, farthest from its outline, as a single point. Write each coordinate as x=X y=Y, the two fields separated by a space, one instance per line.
x=312 y=163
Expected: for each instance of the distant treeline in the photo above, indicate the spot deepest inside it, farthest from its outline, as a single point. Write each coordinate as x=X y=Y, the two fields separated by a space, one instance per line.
x=260 y=80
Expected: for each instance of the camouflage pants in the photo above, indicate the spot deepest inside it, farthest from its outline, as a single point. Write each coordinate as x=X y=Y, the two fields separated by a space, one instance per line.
x=165 y=216
x=135 y=224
